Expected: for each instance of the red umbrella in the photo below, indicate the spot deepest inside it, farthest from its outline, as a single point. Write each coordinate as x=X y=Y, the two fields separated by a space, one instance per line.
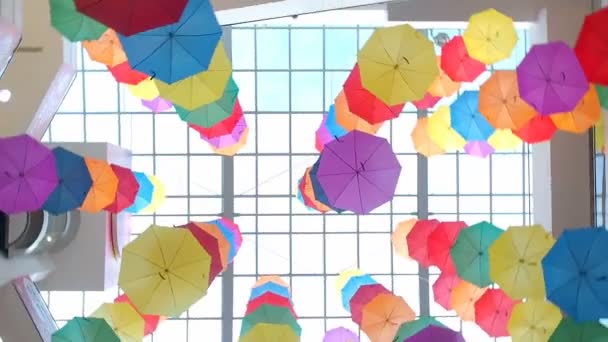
x=209 y=244
x=442 y=289
x=127 y=189
x=417 y=241
x=150 y=321
x=123 y=73
x=428 y=101
x=132 y=16
x=493 y=311
x=364 y=295
x=223 y=127
x=591 y=47
x=456 y=62
x=539 y=129
x=271 y=299
x=440 y=243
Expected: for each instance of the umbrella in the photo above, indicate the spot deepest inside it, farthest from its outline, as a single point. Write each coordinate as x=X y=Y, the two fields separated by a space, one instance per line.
x=428 y=101
x=470 y=252
x=576 y=273
x=144 y=193
x=383 y=316
x=103 y=188
x=270 y=332
x=602 y=93
x=464 y=296
x=340 y=334
x=399 y=237
x=572 y=331
x=456 y=62
x=145 y=90
x=423 y=143
x=28 y=174
x=211 y=246
x=364 y=295
x=157 y=104
x=106 y=49
x=591 y=46
x=540 y=129
x=158 y=196
x=551 y=79
x=222 y=241
x=500 y=102
x=322 y=135
x=224 y=127
x=74 y=183
x=418 y=241
x=211 y=114
x=358 y=172
x=80 y=329
x=398 y=64
x=586 y=114
x=127 y=190
x=150 y=321
x=409 y=329
x=177 y=51
x=234 y=228
x=305 y=187
x=466 y=118
x=271 y=279
x=440 y=130
x=349 y=121
x=436 y=333
x=272 y=299
x=533 y=321
x=270 y=287
x=233 y=236
x=443 y=288
x=231 y=150
x=352 y=287
x=440 y=242
x=366 y=105
x=515 y=261
x=332 y=124
x=319 y=193
x=492 y=312
x=123 y=73
x=490 y=36
x=272 y=315
x=133 y=16
x=344 y=277
x=164 y=271
x=72 y=24
x=443 y=86
x=480 y=148
x=126 y=322
x=504 y=140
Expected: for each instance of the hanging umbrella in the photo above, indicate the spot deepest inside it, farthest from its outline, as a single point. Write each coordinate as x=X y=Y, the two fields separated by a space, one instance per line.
x=470 y=252
x=466 y=118
x=157 y=104
x=358 y=172
x=500 y=102
x=28 y=175
x=229 y=139
x=234 y=228
x=464 y=297
x=515 y=261
x=103 y=188
x=493 y=311
x=480 y=149
x=317 y=188
x=533 y=321
x=602 y=93
x=540 y=129
x=308 y=193
x=126 y=192
x=443 y=86
x=233 y=237
x=572 y=331
x=322 y=135
x=591 y=44
x=106 y=50
x=145 y=90
x=586 y=114
x=221 y=239
x=551 y=79
x=271 y=299
x=272 y=315
x=271 y=279
x=133 y=16
x=398 y=64
x=333 y=127
x=383 y=316
x=126 y=322
x=123 y=73
x=423 y=143
x=270 y=332
x=418 y=241
x=231 y=150
x=340 y=334
x=366 y=105
x=440 y=242
x=164 y=271
x=72 y=24
x=211 y=114
x=224 y=127
x=428 y=101
x=576 y=273
x=409 y=329
x=352 y=286
x=364 y=295
x=74 y=183
x=440 y=130
x=344 y=277
x=150 y=321
x=80 y=329
x=399 y=237
x=270 y=287
x=443 y=288
x=490 y=36
x=504 y=140
x=436 y=333
x=456 y=62
x=144 y=193
x=158 y=196
x=349 y=121
x=177 y=51
x=211 y=245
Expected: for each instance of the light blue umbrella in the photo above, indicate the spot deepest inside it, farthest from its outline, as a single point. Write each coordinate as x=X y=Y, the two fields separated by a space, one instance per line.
x=144 y=194
x=466 y=118
x=332 y=124
x=269 y=287
x=352 y=286
x=229 y=234
x=75 y=182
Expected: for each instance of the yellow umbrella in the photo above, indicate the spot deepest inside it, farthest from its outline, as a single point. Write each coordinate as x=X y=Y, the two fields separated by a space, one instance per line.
x=123 y=319
x=265 y=332
x=533 y=321
x=504 y=140
x=490 y=36
x=515 y=261
x=598 y=134
x=158 y=196
x=398 y=64
x=422 y=140
x=400 y=235
x=441 y=132
x=233 y=149
x=344 y=277
x=164 y=271
x=145 y=90
x=203 y=88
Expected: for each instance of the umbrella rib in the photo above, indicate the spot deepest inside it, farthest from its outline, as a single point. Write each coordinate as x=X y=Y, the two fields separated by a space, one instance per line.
x=371 y=154
x=339 y=157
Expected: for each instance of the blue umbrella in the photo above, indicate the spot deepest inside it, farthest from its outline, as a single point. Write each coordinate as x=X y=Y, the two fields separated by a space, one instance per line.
x=352 y=286
x=332 y=124
x=466 y=118
x=144 y=194
x=576 y=273
x=318 y=189
x=178 y=51
x=74 y=183
x=269 y=287
x=229 y=234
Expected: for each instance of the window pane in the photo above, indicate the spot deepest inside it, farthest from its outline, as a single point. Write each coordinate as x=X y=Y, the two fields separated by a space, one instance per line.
x=341 y=47
x=306 y=94
x=101 y=92
x=306 y=49
x=273 y=91
x=243 y=57
x=272 y=48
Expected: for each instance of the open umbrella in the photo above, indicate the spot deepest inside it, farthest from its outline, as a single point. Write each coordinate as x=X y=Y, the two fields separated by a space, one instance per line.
x=586 y=114
x=72 y=24
x=340 y=334
x=123 y=73
x=270 y=332
x=493 y=311
x=157 y=104
x=504 y=140
x=533 y=321
x=322 y=135
x=144 y=193
x=350 y=121
x=104 y=186
x=73 y=185
x=383 y=316
x=466 y=118
x=436 y=333
x=80 y=329
x=270 y=287
x=443 y=86
x=551 y=79
x=332 y=124
x=150 y=321
x=591 y=45
x=158 y=195
x=440 y=130
x=177 y=51
x=457 y=63
x=418 y=241
x=319 y=193
x=211 y=246
x=344 y=277
x=540 y=129
x=399 y=237
x=211 y=114
x=126 y=192
x=222 y=241
x=364 y=295
x=271 y=279
x=572 y=331
x=398 y=64
x=28 y=174
x=231 y=138
x=106 y=49
x=478 y=148
x=423 y=143
x=409 y=329
x=308 y=193
x=443 y=288
x=272 y=315
x=464 y=297
x=126 y=322
x=145 y=90
x=237 y=237
x=490 y=36
x=223 y=127
x=428 y=101
x=272 y=299
x=602 y=93
x=233 y=236
x=231 y=150
x=352 y=287
x=440 y=242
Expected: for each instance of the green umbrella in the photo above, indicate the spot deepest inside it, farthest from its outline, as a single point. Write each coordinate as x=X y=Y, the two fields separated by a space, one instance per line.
x=571 y=331
x=409 y=329
x=209 y=115
x=82 y=329
x=470 y=252
x=72 y=24
x=602 y=92
x=270 y=314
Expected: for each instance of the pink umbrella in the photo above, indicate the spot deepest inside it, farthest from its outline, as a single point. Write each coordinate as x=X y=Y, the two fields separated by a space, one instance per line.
x=340 y=334
x=442 y=289
x=228 y=139
x=323 y=135
x=157 y=105
x=238 y=238
x=478 y=148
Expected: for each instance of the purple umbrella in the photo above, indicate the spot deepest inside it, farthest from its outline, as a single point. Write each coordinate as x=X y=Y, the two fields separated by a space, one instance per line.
x=323 y=135
x=358 y=172
x=340 y=334
x=433 y=333
x=157 y=105
x=551 y=78
x=28 y=174
x=228 y=139
x=478 y=148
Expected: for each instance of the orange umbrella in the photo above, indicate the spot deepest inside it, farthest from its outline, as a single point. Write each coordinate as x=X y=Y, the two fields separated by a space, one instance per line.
x=443 y=86
x=500 y=103
x=349 y=121
x=105 y=185
x=222 y=242
x=270 y=279
x=309 y=192
x=233 y=149
x=586 y=114
x=422 y=140
x=383 y=315
x=399 y=237
x=464 y=296
x=106 y=50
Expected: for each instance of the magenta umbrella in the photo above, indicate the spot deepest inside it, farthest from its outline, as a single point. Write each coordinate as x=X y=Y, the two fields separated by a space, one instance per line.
x=434 y=333
x=157 y=104
x=28 y=174
x=322 y=135
x=551 y=79
x=341 y=334
x=228 y=139
x=358 y=172
x=478 y=148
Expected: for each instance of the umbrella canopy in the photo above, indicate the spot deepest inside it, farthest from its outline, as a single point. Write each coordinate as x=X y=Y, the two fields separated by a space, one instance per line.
x=576 y=271
x=466 y=118
x=443 y=288
x=399 y=237
x=398 y=64
x=383 y=316
x=222 y=241
x=209 y=115
x=144 y=193
x=237 y=237
x=540 y=129
x=174 y=52
x=74 y=183
x=358 y=172
x=350 y=121
x=500 y=102
x=271 y=299
x=352 y=287
x=145 y=90
x=211 y=245
x=436 y=333
x=133 y=16
x=423 y=143
x=270 y=332
x=504 y=140
x=126 y=322
x=231 y=150
x=233 y=236
x=490 y=36
x=322 y=135
x=272 y=315
x=106 y=50
x=409 y=329
x=271 y=279
x=150 y=321
x=340 y=334
x=332 y=124
x=270 y=287
x=440 y=130
x=418 y=241
x=103 y=188
x=308 y=193
x=515 y=261
x=127 y=190
x=443 y=86
x=319 y=193
x=570 y=330
x=428 y=101
x=533 y=321
x=493 y=311
x=157 y=104
x=229 y=139
x=344 y=277
x=464 y=296
x=28 y=174
x=440 y=242
x=551 y=79
x=123 y=73
x=602 y=93
x=224 y=127
x=80 y=329
x=72 y=24
x=479 y=148
x=456 y=62
x=158 y=196
x=591 y=45
x=586 y=114
x=164 y=271
x=364 y=295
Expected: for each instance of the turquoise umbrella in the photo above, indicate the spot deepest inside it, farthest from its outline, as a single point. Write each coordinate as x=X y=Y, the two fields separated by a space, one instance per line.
x=145 y=194
x=72 y=24
x=81 y=329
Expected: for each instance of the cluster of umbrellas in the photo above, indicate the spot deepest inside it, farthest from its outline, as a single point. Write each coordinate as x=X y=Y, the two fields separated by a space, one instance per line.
x=509 y=282
x=270 y=315
x=34 y=177
x=172 y=56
